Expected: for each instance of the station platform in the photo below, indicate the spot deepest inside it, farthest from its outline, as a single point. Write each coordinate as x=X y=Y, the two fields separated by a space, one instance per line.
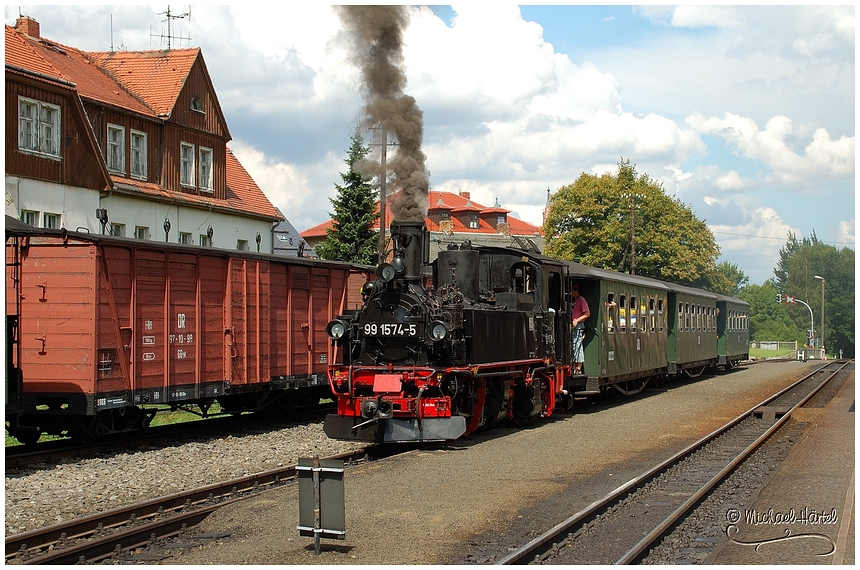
x=805 y=512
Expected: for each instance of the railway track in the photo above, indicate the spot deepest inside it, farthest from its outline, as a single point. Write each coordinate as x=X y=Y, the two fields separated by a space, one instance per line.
x=142 y=532
x=51 y=451
x=622 y=527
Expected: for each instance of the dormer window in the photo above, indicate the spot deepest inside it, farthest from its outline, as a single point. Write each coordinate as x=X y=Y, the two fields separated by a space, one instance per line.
x=473 y=221
x=444 y=215
x=116 y=149
x=197 y=104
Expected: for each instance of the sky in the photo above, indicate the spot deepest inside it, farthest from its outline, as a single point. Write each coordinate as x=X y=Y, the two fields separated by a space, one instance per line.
x=746 y=114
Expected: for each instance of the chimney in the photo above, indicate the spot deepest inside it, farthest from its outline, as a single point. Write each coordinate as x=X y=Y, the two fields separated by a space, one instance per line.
x=465 y=195
x=28 y=25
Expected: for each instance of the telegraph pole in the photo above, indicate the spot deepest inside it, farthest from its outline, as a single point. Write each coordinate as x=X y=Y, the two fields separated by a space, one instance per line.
x=383 y=178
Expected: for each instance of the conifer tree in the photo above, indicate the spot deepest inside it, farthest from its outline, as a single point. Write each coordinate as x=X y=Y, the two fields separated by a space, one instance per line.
x=352 y=237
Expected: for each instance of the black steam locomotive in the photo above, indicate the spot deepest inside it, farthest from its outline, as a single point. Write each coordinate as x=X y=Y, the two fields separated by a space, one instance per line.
x=486 y=338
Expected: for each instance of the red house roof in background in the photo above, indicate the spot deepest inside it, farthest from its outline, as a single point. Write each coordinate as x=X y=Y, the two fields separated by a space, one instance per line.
x=448 y=201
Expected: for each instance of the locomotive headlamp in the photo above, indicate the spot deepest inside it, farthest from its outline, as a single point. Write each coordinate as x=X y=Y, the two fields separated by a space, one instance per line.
x=335 y=329
x=388 y=271
x=438 y=330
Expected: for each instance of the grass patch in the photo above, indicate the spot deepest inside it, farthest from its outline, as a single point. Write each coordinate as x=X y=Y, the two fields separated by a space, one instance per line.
x=761 y=353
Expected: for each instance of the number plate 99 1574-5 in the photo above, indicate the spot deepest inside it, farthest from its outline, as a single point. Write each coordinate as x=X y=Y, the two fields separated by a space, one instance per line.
x=390 y=329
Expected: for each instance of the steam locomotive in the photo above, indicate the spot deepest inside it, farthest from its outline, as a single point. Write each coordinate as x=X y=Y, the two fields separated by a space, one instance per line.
x=484 y=337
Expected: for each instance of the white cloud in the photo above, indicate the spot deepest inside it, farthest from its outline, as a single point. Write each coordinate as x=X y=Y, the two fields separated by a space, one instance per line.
x=822 y=158
x=303 y=200
x=705 y=16
x=846 y=232
x=754 y=244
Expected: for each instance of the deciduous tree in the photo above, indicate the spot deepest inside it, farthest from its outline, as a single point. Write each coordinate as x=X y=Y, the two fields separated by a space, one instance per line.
x=795 y=274
x=591 y=220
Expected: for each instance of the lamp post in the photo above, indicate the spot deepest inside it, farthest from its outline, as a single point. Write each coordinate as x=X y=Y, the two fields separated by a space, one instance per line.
x=823 y=280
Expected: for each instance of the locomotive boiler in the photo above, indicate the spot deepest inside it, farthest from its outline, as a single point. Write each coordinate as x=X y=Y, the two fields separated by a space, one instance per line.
x=431 y=357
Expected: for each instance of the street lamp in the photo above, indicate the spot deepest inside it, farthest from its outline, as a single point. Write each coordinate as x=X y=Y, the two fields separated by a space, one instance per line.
x=823 y=280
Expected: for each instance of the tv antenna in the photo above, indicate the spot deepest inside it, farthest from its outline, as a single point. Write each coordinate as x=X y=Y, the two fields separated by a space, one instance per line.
x=169 y=17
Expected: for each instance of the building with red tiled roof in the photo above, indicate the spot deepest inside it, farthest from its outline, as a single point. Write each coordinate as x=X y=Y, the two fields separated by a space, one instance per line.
x=129 y=143
x=455 y=218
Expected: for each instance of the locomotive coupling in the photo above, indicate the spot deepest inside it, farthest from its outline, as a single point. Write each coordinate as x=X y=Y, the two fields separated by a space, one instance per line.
x=377 y=409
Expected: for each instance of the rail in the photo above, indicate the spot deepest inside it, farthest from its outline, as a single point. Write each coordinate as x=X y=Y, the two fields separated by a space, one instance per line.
x=546 y=546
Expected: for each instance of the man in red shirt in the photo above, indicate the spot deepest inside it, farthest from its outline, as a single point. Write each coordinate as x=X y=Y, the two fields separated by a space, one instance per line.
x=580 y=314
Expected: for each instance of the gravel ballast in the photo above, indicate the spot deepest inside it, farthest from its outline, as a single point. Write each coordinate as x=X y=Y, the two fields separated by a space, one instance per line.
x=458 y=504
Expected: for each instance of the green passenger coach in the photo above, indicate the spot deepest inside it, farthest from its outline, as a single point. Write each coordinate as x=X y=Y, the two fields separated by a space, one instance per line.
x=733 y=331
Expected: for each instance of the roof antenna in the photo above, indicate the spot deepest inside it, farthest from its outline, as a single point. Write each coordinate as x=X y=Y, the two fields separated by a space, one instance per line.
x=169 y=36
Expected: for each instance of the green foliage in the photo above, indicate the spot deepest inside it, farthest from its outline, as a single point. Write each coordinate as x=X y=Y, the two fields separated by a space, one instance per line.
x=735 y=279
x=590 y=220
x=770 y=320
x=352 y=237
x=799 y=262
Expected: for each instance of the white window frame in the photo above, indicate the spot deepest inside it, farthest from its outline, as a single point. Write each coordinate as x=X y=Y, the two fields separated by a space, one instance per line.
x=51 y=221
x=30 y=217
x=473 y=221
x=185 y=238
x=117 y=230
x=141 y=232
x=242 y=245
x=139 y=157
x=204 y=240
x=186 y=164
x=205 y=171
x=116 y=148
x=37 y=132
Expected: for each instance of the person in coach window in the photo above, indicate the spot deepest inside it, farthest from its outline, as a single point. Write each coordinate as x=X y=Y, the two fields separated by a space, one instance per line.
x=580 y=314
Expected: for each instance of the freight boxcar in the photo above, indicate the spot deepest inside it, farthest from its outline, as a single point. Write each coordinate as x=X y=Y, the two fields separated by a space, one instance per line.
x=108 y=325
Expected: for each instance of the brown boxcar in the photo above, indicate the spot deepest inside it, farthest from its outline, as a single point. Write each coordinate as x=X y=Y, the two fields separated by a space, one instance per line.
x=108 y=324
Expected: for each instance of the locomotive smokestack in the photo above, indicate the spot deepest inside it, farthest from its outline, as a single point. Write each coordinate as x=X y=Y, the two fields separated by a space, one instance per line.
x=412 y=244
x=377 y=38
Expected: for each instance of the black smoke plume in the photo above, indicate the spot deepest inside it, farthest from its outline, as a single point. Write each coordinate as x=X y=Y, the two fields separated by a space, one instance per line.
x=376 y=33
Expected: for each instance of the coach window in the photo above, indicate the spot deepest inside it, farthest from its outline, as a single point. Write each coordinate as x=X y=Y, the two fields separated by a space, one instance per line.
x=687 y=321
x=610 y=313
x=699 y=318
x=622 y=313
x=643 y=315
x=633 y=310
x=660 y=314
x=652 y=315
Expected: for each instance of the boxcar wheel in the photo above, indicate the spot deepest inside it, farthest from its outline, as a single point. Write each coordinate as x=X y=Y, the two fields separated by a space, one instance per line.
x=27 y=437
